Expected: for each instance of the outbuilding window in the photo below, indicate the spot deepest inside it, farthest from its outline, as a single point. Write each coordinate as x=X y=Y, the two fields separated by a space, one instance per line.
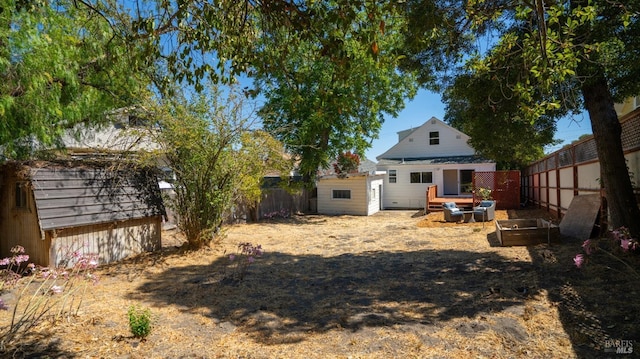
x=341 y=194
x=21 y=195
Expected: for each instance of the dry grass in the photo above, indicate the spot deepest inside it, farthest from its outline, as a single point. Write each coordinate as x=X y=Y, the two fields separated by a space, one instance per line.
x=394 y=285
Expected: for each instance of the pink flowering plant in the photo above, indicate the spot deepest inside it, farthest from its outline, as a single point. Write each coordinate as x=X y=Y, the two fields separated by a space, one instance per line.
x=618 y=245
x=42 y=293
x=12 y=268
x=346 y=163
x=283 y=213
x=246 y=255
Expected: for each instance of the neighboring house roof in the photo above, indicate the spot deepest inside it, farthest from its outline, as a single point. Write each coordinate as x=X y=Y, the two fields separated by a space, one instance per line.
x=72 y=196
x=434 y=160
x=125 y=133
x=366 y=166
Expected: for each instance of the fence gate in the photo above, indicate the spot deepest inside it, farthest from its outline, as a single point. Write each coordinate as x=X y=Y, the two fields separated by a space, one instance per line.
x=504 y=186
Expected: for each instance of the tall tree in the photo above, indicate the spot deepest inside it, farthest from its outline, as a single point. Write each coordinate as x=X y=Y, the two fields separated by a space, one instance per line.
x=328 y=94
x=59 y=65
x=478 y=105
x=576 y=54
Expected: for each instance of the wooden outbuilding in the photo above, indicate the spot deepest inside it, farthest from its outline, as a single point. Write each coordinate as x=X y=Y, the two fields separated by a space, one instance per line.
x=54 y=209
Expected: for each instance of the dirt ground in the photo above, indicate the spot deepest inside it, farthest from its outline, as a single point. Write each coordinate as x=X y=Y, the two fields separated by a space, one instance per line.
x=397 y=284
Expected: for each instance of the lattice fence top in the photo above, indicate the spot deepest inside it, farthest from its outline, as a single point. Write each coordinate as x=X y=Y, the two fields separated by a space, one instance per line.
x=586 y=151
x=631 y=134
x=504 y=186
x=565 y=157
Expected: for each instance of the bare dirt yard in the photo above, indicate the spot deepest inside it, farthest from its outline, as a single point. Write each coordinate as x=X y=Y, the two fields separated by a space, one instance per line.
x=397 y=284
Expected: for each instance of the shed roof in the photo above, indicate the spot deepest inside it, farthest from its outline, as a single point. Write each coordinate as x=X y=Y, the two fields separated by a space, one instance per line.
x=433 y=160
x=76 y=196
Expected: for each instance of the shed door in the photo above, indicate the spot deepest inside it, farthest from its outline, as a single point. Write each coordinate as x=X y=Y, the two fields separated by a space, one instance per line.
x=450 y=185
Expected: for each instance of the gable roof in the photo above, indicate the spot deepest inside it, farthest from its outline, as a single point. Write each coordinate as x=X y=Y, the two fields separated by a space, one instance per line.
x=415 y=143
x=81 y=195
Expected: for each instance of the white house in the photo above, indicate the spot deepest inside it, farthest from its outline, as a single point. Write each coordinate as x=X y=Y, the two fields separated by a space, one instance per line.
x=358 y=194
x=434 y=153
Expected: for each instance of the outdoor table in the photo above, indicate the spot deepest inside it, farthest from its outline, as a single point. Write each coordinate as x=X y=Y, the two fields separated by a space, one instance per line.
x=468 y=216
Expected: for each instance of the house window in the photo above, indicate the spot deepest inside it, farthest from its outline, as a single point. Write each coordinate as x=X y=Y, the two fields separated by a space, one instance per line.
x=393 y=177
x=434 y=138
x=341 y=194
x=421 y=177
x=21 y=194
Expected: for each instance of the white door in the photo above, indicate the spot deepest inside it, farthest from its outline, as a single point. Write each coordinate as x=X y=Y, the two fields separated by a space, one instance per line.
x=450 y=185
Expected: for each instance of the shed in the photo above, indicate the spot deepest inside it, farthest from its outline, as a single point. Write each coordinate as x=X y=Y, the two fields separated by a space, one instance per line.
x=358 y=194
x=55 y=209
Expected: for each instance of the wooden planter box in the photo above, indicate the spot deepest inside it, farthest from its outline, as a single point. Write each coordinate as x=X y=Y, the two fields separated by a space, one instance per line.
x=525 y=232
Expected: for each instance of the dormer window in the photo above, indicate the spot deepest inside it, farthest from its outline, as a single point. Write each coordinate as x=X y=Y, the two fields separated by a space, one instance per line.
x=434 y=138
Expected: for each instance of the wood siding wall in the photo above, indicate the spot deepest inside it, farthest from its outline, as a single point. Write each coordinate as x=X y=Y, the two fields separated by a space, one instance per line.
x=375 y=194
x=416 y=144
x=552 y=182
x=356 y=205
x=19 y=226
x=112 y=241
x=404 y=194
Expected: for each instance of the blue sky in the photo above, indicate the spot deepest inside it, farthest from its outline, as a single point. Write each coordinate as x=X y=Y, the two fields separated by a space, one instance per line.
x=428 y=104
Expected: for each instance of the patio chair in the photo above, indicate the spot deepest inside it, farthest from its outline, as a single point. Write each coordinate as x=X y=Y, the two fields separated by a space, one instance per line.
x=486 y=211
x=451 y=212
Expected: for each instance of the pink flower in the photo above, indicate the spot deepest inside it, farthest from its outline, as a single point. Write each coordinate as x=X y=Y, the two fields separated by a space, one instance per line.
x=232 y=257
x=578 y=260
x=625 y=244
x=587 y=246
x=56 y=289
x=3 y=306
x=21 y=258
x=251 y=259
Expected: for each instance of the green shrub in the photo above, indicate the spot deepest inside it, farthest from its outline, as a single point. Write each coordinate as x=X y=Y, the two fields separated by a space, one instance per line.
x=139 y=321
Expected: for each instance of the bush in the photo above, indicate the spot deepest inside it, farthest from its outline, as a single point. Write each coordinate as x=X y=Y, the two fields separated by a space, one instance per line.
x=139 y=321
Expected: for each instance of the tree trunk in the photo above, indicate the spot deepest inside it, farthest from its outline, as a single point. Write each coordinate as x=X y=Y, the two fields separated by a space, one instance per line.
x=614 y=174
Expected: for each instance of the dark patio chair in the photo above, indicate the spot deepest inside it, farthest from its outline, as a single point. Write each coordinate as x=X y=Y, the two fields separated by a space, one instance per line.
x=451 y=212
x=486 y=211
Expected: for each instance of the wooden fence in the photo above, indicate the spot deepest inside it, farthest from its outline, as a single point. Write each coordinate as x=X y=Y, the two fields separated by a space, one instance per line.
x=553 y=181
x=504 y=186
x=277 y=202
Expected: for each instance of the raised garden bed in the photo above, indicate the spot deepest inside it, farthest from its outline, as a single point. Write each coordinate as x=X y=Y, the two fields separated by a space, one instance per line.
x=525 y=232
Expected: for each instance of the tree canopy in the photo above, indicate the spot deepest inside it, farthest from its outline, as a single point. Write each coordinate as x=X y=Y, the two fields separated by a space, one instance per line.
x=328 y=94
x=60 y=65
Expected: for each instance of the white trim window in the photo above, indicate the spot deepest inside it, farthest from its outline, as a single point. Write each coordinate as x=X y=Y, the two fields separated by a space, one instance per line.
x=434 y=138
x=342 y=194
x=421 y=177
x=393 y=176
